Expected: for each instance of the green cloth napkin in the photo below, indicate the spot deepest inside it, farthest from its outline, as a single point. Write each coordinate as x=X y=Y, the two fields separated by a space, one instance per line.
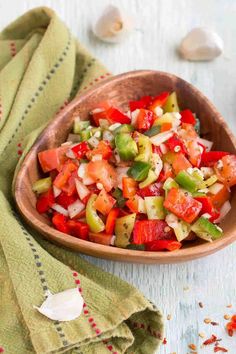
x=42 y=67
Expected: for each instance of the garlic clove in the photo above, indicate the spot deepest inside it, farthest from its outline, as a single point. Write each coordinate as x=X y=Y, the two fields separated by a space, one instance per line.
x=64 y=306
x=113 y=26
x=201 y=44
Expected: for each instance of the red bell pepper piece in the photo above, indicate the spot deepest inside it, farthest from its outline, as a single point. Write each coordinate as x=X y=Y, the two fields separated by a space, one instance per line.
x=208 y=208
x=111 y=220
x=117 y=116
x=145 y=119
x=66 y=172
x=182 y=204
x=161 y=245
x=160 y=100
x=187 y=117
x=149 y=230
x=78 y=229
x=157 y=150
x=65 y=200
x=45 y=201
x=144 y=102
x=175 y=143
x=60 y=222
x=101 y=238
x=154 y=189
x=80 y=149
x=209 y=158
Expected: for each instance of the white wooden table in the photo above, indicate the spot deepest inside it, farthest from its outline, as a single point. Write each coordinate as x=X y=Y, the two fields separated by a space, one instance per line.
x=160 y=24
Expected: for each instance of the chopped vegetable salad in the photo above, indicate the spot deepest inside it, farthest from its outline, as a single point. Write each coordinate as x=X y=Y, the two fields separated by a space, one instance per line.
x=142 y=179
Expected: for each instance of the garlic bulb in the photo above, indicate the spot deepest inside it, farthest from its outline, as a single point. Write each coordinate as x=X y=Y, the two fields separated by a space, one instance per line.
x=64 y=306
x=113 y=26
x=201 y=44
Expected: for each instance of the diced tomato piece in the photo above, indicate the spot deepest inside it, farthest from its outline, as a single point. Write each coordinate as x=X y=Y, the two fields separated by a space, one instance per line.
x=132 y=204
x=104 y=202
x=52 y=159
x=103 y=148
x=149 y=230
x=63 y=176
x=159 y=101
x=194 y=152
x=111 y=220
x=65 y=200
x=188 y=132
x=101 y=171
x=208 y=207
x=187 y=117
x=221 y=197
x=78 y=229
x=155 y=189
x=70 y=186
x=45 y=201
x=60 y=222
x=144 y=102
x=227 y=172
x=145 y=119
x=101 y=238
x=81 y=149
x=180 y=163
x=117 y=116
x=162 y=245
x=175 y=143
x=209 y=158
x=129 y=187
x=182 y=204
x=165 y=127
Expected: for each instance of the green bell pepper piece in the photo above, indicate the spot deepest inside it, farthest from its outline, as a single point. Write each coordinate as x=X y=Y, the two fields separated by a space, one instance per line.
x=211 y=180
x=80 y=125
x=186 y=181
x=118 y=195
x=126 y=146
x=151 y=178
x=42 y=185
x=144 y=149
x=166 y=118
x=124 y=128
x=139 y=170
x=123 y=230
x=94 y=222
x=206 y=230
x=172 y=103
x=85 y=135
x=154 y=130
x=154 y=207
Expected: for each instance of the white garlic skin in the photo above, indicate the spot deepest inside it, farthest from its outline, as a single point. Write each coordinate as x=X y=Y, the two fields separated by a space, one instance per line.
x=64 y=306
x=201 y=44
x=113 y=25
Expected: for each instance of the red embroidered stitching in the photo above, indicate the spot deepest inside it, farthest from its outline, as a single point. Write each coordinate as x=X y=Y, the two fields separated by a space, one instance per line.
x=90 y=318
x=13 y=48
x=19 y=151
x=147 y=328
x=91 y=83
x=2 y=350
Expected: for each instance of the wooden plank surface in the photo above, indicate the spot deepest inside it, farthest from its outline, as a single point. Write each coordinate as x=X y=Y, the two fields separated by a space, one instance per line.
x=159 y=26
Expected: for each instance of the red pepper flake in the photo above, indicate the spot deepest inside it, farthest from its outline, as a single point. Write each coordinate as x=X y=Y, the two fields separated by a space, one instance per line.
x=164 y=341
x=211 y=340
x=214 y=323
x=200 y=304
x=192 y=346
x=220 y=349
x=231 y=326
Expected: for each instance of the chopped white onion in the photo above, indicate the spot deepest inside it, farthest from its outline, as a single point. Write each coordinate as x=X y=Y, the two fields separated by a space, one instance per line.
x=99 y=186
x=56 y=191
x=171 y=220
x=157 y=164
x=225 y=209
x=81 y=170
x=107 y=135
x=141 y=205
x=70 y=154
x=97 y=110
x=112 y=241
x=97 y=158
x=75 y=208
x=158 y=111
x=60 y=209
x=207 y=172
x=163 y=148
x=160 y=138
x=121 y=172
x=82 y=190
x=114 y=126
x=82 y=173
x=134 y=116
x=207 y=143
x=97 y=134
x=206 y=215
x=216 y=188
x=176 y=115
x=93 y=141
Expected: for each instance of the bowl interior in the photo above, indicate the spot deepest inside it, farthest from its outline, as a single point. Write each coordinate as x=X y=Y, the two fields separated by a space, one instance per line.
x=120 y=90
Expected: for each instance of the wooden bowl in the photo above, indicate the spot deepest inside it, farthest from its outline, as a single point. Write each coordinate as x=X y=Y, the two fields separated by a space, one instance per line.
x=120 y=90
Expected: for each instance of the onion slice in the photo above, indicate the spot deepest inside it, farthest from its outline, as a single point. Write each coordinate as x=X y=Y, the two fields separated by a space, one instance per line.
x=75 y=208
x=60 y=209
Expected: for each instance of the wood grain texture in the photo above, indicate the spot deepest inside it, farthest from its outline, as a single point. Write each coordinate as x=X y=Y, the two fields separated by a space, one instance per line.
x=160 y=24
x=119 y=90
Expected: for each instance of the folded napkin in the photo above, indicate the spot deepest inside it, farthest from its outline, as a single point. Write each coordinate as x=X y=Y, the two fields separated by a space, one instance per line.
x=42 y=67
